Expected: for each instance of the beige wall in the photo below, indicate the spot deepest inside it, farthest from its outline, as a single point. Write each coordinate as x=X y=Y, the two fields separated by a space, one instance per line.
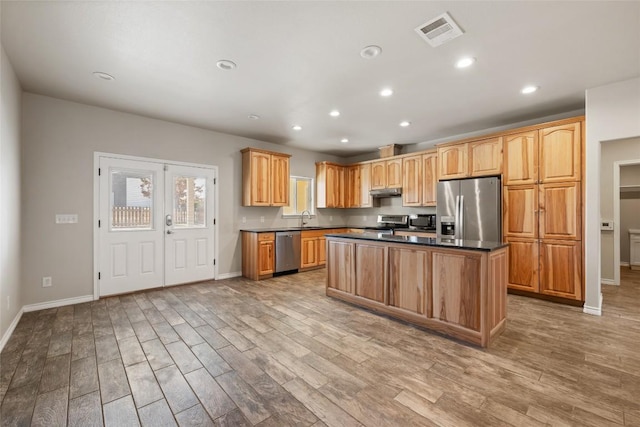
x=612 y=113
x=10 y=300
x=626 y=149
x=59 y=141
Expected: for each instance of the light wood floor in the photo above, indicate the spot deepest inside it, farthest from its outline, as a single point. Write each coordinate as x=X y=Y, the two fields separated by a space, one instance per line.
x=279 y=352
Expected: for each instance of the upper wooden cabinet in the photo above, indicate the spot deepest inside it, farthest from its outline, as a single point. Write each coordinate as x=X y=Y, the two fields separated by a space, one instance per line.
x=386 y=174
x=353 y=184
x=485 y=157
x=265 y=178
x=560 y=211
x=412 y=181
x=560 y=153
x=520 y=211
x=366 y=201
x=330 y=185
x=453 y=161
x=521 y=158
x=429 y=178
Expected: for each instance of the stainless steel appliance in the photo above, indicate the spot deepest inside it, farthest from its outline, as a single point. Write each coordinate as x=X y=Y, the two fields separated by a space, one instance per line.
x=426 y=222
x=470 y=209
x=388 y=223
x=386 y=192
x=287 y=251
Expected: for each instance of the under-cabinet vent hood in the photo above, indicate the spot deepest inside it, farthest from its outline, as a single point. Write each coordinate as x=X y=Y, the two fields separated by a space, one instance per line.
x=386 y=192
x=439 y=30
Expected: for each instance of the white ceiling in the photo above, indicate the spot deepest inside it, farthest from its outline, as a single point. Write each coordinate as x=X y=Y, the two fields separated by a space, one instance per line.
x=297 y=60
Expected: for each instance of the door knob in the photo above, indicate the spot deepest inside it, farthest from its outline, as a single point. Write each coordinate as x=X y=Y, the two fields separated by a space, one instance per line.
x=169 y=232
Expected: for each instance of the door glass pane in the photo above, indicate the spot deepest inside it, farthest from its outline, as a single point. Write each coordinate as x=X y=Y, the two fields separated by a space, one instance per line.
x=189 y=201
x=131 y=200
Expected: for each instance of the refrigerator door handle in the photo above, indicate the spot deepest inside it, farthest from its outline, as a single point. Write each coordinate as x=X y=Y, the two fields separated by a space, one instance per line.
x=461 y=216
x=457 y=224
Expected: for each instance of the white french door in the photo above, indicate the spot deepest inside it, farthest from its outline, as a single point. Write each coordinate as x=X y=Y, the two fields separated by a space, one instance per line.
x=156 y=224
x=189 y=224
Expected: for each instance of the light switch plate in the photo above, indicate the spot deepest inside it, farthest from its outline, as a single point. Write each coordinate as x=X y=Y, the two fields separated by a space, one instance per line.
x=66 y=218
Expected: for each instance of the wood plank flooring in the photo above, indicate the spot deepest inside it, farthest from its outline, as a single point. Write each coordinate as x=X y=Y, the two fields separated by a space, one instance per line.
x=279 y=352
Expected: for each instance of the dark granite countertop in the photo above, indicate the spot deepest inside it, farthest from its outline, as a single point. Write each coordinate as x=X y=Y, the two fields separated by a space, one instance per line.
x=424 y=241
x=274 y=229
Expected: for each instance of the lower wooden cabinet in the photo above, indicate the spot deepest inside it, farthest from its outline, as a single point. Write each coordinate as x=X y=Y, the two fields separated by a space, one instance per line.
x=321 y=249
x=462 y=293
x=258 y=255
x=308 y=252
x=523 y=264
x=560 y=268
x=370 y=272
x=343 y=278
x=408 y=279
x=456 y=297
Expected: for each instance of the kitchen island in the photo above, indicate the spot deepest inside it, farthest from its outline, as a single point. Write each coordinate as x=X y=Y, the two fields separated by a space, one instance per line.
x=455 y=287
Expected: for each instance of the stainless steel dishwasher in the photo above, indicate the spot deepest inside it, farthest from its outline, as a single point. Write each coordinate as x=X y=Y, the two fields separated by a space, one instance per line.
x=287 y=251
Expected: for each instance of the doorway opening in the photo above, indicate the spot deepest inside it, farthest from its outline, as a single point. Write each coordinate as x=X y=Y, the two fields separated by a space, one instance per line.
x=155 y=223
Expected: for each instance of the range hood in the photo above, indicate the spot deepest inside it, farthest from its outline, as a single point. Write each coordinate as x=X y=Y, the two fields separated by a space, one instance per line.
x=386 y=192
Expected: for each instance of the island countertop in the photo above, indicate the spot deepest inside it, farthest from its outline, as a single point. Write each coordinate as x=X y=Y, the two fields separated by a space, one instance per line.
x=454 y=288
x=425 y=241
x=310 y=228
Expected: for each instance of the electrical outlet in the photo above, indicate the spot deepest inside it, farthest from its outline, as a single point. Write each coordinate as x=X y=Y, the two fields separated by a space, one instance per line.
x=66 y=218
x=244 y=219
x=47 y=282
x=261 y=219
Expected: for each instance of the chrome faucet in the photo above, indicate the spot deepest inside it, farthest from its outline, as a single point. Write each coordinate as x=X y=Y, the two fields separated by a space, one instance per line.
x=302 y=221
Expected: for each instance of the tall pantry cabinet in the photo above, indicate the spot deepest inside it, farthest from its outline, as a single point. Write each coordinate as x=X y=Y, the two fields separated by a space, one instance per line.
x=542 y=212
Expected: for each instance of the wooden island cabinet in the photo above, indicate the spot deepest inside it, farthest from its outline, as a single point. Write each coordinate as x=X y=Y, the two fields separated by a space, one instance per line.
x=456 y=289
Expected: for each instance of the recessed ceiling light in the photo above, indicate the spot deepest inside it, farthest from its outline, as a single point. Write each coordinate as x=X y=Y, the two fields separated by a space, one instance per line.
x=370 y=52
x=386 y=92
x=225 y=64
x=296 y=127
x=253 y=116
x=405 y=123
x=334 y=113
x=529 y=89
x=465 y=62
x=344 y=140
x=103 y=76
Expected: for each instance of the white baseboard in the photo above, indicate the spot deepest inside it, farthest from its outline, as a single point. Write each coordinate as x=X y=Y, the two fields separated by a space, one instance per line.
x=607 y=282
x=57 y=303
x=229 y=275
x=624 y=264
x=10 y=329
x=594 y=311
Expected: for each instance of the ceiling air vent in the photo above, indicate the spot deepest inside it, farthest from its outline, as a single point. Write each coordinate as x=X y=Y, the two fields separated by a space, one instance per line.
x=439 y=30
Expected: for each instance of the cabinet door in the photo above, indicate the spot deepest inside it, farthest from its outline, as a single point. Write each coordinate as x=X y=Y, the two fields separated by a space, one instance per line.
x=560 y=211
x=370 y=272
x=308 y=252
x=520 y=213
x=352 y=199
x=429 y=179
x=453 y=162
x=524 y=264
x=456 y=283
x=379 y=175
x=521 y=158
x=279 y=180
x=335 y=186
x=341 y=266
x=321 y=248
x=266 y=260
x=394 y=173
x=408 y=279
x=412 y=181
x=365 y=186
x=561 y=269
x=560 y=150
x=485 y=157
x=260 y=179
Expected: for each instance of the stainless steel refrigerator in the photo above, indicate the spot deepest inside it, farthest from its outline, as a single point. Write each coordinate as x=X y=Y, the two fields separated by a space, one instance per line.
x=470 y=209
